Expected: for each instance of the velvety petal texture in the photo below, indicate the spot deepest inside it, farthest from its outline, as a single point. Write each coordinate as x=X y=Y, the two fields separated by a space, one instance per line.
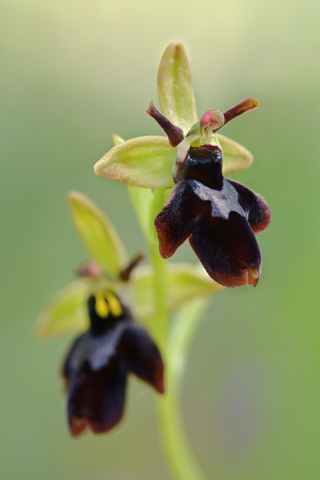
x=218 y=216
x=96 y=397
x=142 y=356
x=257 y=209
x=97 y=366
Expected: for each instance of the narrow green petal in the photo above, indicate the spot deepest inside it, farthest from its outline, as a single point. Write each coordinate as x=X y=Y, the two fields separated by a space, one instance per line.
x=235 y=156
x=143 y=162
x=175 y=89
x=185 y=283
x=97 y=233
x=65 y=314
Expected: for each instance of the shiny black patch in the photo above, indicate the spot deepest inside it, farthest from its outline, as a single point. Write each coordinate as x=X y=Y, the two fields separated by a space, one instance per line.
x=204 y=164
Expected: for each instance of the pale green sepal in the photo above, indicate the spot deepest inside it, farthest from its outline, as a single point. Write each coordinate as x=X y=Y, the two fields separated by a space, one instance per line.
x=97 y=233
x=66 y=313
x=235 y=156
x=184 y=283
x=187 y=282
x=175 y=89
x=141 y=199
x=144 y=162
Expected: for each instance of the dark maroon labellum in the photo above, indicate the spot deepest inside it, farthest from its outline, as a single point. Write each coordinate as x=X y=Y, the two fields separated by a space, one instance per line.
x=97 y=366
x=219 y=216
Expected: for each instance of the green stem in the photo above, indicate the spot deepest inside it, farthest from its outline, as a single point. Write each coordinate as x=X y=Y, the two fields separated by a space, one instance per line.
x=160 y=323
x=176 y=449
x=174 y=349
x=179 y=456
x=160 y=276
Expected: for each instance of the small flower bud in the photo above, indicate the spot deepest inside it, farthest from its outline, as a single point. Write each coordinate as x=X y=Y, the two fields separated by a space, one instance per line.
x=90 y=270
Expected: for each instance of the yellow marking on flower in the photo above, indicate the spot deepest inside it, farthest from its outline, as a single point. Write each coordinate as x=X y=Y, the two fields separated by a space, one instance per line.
x=114 y=304
x=101 y=306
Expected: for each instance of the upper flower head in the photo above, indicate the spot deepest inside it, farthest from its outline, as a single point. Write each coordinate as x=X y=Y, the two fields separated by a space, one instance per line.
x=99 y=361
x=218 y=215
x=147 y=161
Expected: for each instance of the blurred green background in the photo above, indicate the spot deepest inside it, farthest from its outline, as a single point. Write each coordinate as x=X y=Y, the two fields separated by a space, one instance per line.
x=72 y=73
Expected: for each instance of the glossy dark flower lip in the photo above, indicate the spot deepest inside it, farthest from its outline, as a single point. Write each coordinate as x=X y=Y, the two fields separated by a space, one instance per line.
x=219 y=216
x=99 y=361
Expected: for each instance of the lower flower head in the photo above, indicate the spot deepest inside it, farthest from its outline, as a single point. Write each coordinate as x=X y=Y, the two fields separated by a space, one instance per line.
x=97 y=366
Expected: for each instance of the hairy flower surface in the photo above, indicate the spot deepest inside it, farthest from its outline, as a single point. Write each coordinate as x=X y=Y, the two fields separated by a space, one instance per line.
x=97 y=366
x=218 y=216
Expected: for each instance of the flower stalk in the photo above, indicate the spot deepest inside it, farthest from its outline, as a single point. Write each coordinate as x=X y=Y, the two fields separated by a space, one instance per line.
x=160 y=323
x=177 y=450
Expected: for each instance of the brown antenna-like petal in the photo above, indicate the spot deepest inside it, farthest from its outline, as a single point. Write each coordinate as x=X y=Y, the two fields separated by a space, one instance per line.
x=174 y=133
x=245 y=106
